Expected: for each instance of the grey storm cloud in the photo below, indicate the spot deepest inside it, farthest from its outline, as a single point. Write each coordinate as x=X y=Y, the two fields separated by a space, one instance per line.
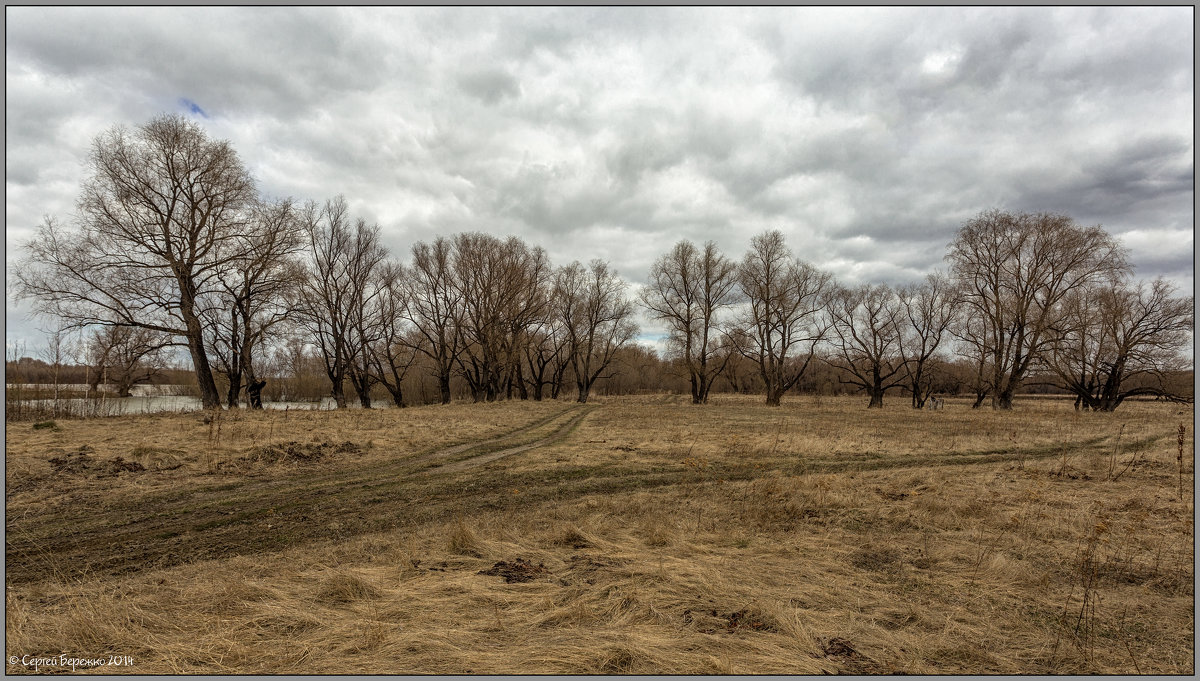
x=866 y=135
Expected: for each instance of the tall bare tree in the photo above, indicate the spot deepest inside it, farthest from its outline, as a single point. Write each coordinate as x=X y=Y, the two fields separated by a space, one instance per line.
x=866 y=339
x=58 y=348
x=547 y=357
x=257 y=295
x=501 y=286
x=343 y=256
x=1117 y=341
x=1014 y=270
x=367 y=325
x=969 y=330
x=393 y=354
x=528 y=309
x=786 y=317
x=433 y=307
x=688 y=288
x=593 y=309
x=159 y=217
x=928 y=313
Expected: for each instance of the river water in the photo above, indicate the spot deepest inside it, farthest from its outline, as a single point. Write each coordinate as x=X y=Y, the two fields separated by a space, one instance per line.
x=155 y=404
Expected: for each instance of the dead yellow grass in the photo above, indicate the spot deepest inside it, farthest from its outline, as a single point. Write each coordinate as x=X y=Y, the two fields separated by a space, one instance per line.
x=732 y=539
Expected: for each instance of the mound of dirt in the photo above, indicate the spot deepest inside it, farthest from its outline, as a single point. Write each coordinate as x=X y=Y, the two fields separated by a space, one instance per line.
x=158 y=459
x=842 y=651
x=519 y=570
x=750 y=620
x=838 y=647
x=81 y=464
x=710 y=620
x=296 y=452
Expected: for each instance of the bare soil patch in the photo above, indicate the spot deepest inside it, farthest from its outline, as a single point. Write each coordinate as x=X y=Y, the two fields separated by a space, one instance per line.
x=80 y=463
x=293 y=452
x=519 y=570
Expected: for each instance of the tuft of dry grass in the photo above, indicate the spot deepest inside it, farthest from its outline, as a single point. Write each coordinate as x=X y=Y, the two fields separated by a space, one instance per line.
x=342 y=587
x=462 y=541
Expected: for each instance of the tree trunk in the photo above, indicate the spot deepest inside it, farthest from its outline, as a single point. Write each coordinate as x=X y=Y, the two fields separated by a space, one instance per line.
x=444 y=386
x=254 y=390
x=774 y=397
x=397 y=395
x=876 y=399
x=522 y=390
x=1003 y=401
x=362 y=388
x=234 y=392
x=339 y=394
x=584 y=390
x=209 y=397
x=705 y=386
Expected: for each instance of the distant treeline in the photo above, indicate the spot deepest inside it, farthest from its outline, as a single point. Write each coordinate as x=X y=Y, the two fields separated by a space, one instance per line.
x=636 y=370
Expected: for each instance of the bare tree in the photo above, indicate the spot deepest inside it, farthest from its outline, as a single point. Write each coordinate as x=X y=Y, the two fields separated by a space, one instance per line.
x=159 y=217
x=741 y=373
x=337 y=292
x=126 y=356
x=687 y=290
x=1118 y=341
x=593 y=309
x=501 y=289
x=786 y=317
x=969 y=330
x=527 y=309
x=547 y=357
x=366 y=322
x=393 y=354
x=866 y=339
x=58 y=348
x=929 y=310
x=1014 y=271
x=432 y=305
x=258 y=293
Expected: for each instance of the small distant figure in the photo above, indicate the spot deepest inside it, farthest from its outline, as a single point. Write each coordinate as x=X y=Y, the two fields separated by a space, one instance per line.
x=935 y=403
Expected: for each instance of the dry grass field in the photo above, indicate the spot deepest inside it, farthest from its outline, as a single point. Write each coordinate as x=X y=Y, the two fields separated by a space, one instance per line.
x=633 y=535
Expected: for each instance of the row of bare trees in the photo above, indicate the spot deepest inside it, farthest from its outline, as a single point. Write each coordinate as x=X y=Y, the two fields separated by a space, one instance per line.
x=1026 y=295
x=782 y=313
x=174 y=246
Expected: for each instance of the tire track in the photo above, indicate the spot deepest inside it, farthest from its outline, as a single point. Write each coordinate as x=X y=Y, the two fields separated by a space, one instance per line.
x=476 y=461
x=449 y=452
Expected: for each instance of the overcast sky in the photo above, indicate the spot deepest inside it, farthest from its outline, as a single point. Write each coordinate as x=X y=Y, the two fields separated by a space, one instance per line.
x=867 y=136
